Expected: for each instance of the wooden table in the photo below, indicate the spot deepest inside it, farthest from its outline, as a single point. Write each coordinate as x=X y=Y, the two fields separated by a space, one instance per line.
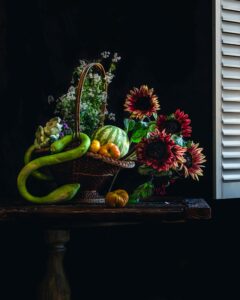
x=57 y=220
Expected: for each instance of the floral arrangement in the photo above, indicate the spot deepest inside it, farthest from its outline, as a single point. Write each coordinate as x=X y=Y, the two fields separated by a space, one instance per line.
x=93 y=96
x=162 y=144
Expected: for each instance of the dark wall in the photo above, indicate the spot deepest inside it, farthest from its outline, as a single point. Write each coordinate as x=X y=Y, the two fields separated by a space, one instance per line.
x=166 y=46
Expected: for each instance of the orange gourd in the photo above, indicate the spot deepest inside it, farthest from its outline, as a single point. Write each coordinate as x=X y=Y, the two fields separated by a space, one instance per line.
x=110 y=150
x=117 y=198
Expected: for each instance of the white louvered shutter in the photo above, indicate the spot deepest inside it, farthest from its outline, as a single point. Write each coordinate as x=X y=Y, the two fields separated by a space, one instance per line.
x=227 y=98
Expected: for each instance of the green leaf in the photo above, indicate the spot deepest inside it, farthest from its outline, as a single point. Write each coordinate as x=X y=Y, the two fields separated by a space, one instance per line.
x=178 y=139
x=142 y=192
x=145 y=170
x=152 y=127
x=138 y=135
x=155 y=116
x=126 y=124
x=131 y=125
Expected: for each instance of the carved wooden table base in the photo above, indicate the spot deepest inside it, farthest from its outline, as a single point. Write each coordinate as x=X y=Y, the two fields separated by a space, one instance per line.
x=56 y=220
x=55 y=285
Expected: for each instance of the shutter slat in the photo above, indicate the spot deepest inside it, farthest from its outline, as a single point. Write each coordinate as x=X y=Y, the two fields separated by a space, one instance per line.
x=232 y=99
x=231 y=154
x=231 y=28
x=230 y=177
x=230 y=96
x=231 y=50
x=227 y=166
x=230 y=53
x=230 y=39
x=231 y=143
x=230 y=16
x=230 y=132
x=231 y=109
x=231 y=5
x=231 y=121
x=231 y=83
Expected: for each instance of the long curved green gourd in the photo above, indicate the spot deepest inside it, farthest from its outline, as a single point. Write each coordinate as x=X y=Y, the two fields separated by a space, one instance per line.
x=37 y=174
x=65 y=192
x=56 y=147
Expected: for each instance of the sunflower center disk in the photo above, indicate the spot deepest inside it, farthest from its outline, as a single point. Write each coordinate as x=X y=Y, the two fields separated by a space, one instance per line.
x=188 y=158
x=156 y=150
x=172 y=126
x=143 y=103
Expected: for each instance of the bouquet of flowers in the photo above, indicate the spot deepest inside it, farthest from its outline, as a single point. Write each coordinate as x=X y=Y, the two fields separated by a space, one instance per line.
x=93 y=97
x=162 y=144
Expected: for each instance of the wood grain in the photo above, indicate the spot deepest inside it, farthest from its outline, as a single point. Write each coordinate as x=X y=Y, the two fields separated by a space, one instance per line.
x=79 y=215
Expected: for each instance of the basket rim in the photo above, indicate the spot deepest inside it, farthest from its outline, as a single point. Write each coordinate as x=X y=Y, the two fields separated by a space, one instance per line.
x=116 y=162
x=127 y=164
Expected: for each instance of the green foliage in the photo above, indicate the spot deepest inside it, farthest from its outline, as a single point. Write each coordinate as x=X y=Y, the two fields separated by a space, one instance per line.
x=138 y=129
x=142 y=192
x=145 y=170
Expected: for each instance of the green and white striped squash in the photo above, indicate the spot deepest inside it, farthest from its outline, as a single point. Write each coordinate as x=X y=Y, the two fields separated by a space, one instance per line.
x=113 y=134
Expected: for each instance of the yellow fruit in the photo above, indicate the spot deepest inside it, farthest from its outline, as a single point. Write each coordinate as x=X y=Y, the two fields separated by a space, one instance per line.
x=95 y=146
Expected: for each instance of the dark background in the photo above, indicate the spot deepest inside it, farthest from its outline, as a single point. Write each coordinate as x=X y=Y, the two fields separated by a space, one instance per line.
x=167 y=45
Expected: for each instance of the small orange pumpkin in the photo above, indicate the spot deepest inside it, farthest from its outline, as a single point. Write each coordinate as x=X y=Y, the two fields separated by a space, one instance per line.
x=113 y=150
x=117 y=198
x=110 y=150
x=104 y=151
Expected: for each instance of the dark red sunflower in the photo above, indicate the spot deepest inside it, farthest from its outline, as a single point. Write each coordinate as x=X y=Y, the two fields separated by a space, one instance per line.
x=158 y=151
x=176 y=123
x=179 y=153
x=194 y=159
x=141 y=102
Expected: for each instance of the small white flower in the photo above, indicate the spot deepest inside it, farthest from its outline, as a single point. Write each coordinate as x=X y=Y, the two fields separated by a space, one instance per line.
x=90 y=75
x=116 y=58
x=82 y=63
x=112 y=116
x=96 y=77
x=50 y=99
x=84 y=106
x=104 y=96
x=109 y=77
x=105 y=54
x=71 y=90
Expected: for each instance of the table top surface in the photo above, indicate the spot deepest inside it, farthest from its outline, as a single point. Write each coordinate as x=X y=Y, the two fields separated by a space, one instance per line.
x=164 y=210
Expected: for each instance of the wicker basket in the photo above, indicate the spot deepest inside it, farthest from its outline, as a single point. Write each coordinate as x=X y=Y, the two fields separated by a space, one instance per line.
x=92 y=171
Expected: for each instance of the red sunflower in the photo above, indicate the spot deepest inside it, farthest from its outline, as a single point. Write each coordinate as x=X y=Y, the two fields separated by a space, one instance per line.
x=158 y=151
x=193 y=162
x=141 y=102
x=179 y=153
x=176 y=123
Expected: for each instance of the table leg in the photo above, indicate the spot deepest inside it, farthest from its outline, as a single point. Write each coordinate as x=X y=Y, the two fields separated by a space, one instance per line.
x=55 y=285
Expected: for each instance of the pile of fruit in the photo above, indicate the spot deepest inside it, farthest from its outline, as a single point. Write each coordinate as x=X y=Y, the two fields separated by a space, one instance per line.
x=110 y=141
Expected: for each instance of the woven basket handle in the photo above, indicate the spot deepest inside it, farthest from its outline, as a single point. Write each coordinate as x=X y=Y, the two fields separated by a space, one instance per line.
x=80 y=90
